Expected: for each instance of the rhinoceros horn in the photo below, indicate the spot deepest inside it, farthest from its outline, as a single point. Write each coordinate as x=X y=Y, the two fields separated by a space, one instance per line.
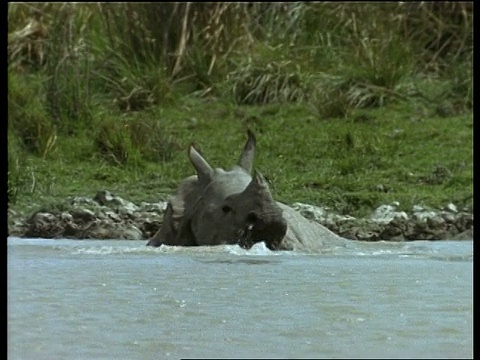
x=264 y=221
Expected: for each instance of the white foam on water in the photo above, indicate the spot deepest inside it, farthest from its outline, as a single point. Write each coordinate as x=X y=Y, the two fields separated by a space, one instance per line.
x=258 y=249
x=107 y=250
x=453 y=250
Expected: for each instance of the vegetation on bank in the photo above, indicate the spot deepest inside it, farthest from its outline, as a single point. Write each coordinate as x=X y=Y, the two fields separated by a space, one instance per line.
x=354 y=104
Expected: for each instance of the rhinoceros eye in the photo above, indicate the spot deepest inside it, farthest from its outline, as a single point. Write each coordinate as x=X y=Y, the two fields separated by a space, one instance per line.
x=226 y=209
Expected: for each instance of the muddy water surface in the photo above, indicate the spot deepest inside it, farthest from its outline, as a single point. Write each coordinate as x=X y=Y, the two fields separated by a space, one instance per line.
x=74 y=299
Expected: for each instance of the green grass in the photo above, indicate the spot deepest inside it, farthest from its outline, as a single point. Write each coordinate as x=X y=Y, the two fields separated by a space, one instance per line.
x=353 y=107
x=351 y=165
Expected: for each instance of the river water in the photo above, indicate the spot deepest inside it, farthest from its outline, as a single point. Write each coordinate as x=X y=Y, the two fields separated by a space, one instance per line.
x=92 y=299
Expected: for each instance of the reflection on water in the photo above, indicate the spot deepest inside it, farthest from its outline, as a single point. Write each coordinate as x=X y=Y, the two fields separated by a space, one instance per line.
x=120 y=299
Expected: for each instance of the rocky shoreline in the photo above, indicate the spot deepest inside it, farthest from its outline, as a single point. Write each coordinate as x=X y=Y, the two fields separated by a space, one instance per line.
x=107 y=216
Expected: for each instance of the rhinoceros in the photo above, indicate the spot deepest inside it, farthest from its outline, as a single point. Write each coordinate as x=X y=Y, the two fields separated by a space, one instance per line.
x=217 y=207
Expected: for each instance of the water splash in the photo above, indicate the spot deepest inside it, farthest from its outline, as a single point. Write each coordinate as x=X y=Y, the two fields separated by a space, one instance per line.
x=438 y=250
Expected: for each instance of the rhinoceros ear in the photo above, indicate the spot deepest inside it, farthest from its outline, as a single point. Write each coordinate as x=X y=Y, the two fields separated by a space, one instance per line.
x=248 y=153
x=203 y=168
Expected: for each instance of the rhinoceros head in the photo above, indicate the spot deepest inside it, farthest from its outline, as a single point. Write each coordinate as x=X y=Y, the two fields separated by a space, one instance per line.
x=228 y=207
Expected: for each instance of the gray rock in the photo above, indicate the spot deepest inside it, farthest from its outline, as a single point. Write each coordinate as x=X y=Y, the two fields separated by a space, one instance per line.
x=465 y=235
x=384 y=214
x=423 y=215
x=111 y=217
x=66 y=217
x=84 y=215
x=448 y=217
x=311 y=212
x=82 y=201
x=106 y=198
x=452 y=208
x=153 y=207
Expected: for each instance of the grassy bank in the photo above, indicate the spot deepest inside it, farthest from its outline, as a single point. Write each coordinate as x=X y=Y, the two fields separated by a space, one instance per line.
x=353 y=107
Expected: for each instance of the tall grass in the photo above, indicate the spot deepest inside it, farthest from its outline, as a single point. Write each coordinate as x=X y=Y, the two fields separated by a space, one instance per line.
x=70 y=63
x=20 y=177
x=28 y=118
x=127 y=142
x=441 y=32
x=68 y=68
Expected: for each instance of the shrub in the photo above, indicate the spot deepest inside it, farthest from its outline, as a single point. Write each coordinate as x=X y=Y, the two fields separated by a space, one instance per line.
x=131 y=141
x=149 y=137
x=18 y=174
x=261 y=81
x=67 y=68
x=112 y=140
x=27 y=116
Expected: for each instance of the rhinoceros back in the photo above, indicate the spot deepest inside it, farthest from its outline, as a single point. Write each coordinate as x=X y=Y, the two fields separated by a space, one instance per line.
x=306 y=235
